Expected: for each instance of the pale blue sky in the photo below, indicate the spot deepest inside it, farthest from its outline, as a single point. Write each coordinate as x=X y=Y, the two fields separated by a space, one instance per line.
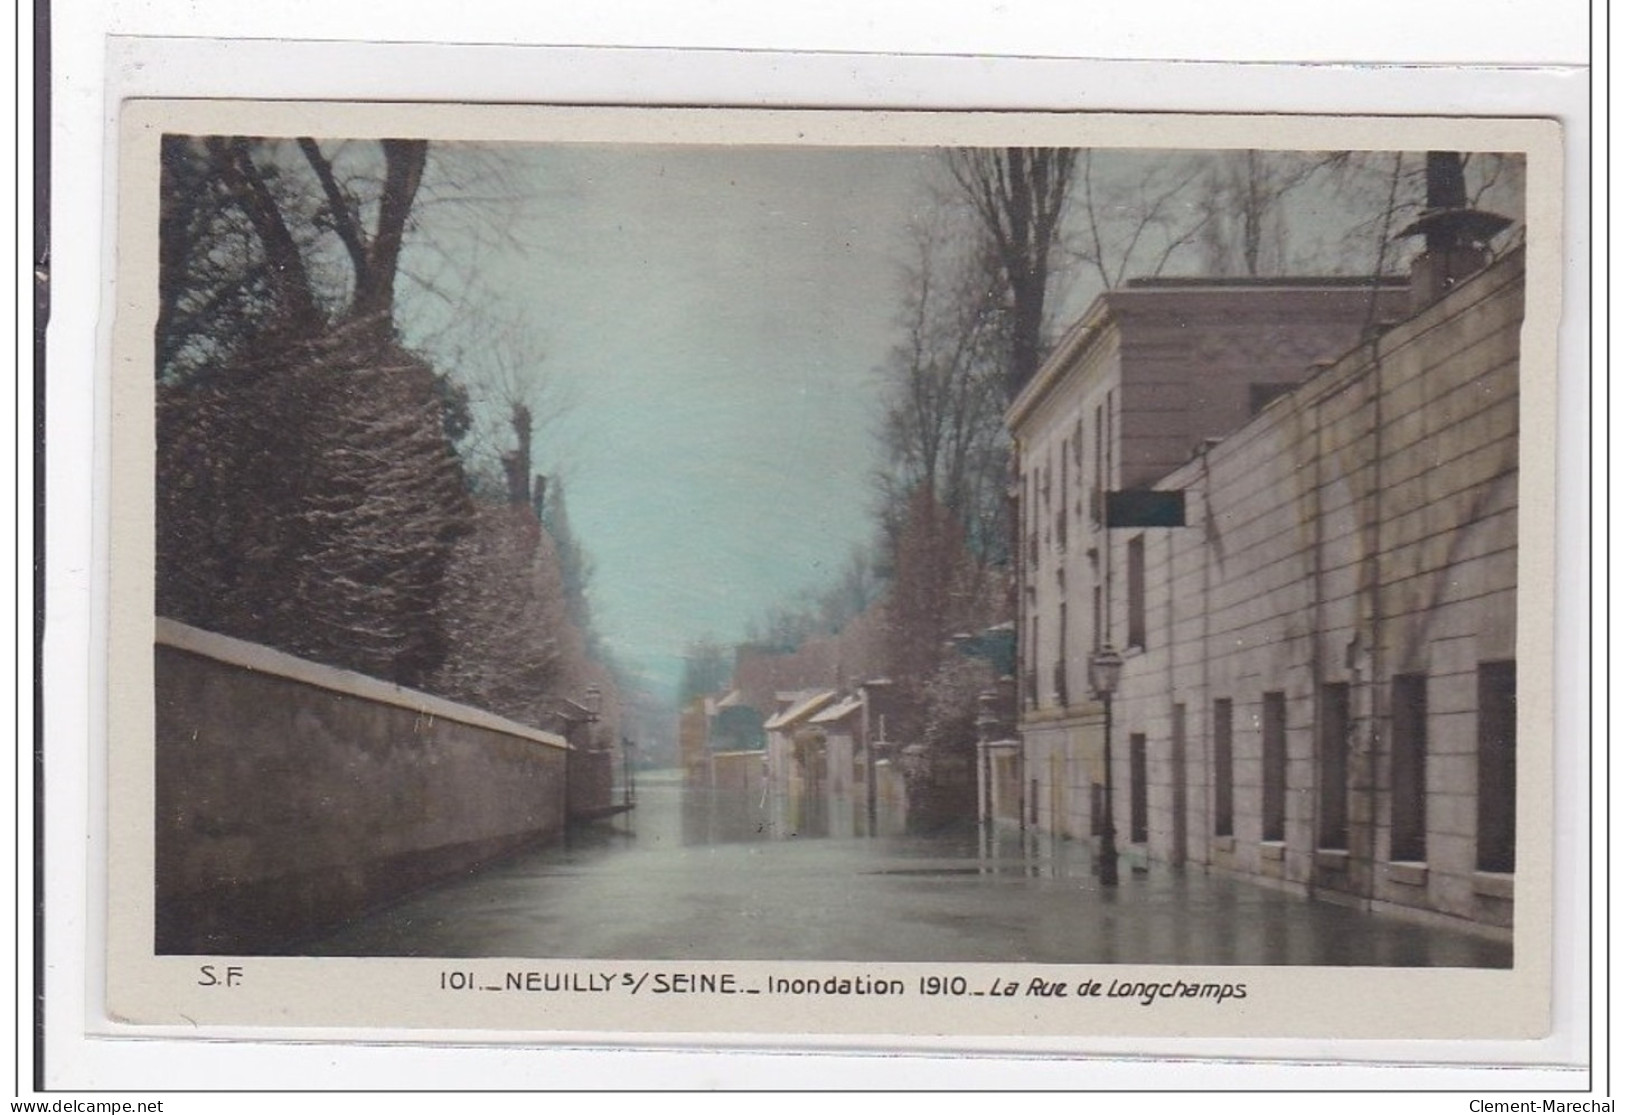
x=716 y=319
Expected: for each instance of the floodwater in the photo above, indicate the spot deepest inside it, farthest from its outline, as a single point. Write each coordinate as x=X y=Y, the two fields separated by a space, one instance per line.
x=697 y=875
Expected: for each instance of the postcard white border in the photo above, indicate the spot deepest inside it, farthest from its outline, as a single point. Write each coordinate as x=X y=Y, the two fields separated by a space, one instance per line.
x=1281 y=1001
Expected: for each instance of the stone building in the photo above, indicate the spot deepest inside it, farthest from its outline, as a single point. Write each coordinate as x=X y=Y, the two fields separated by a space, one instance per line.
x=1317 y=617
x=1149 y=372
x=828 y=765
x=790 y=738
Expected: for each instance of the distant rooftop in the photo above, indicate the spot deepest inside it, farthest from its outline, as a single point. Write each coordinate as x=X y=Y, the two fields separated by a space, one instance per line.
x=1271 y=281
x=794 y=715
x=838 y=711
x=714 y=705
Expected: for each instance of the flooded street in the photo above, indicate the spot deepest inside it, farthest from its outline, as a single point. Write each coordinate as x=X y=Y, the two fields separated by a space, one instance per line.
x=702 y=875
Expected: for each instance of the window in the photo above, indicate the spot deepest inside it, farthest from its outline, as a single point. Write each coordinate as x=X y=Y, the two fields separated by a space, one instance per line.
x=1066 y=497
x=1098 y=635
x=1497 y=765
x=1103 y=459
x=1097 y=499
x=1061 y=695
x=1224 y=770
x=1334 y=766
x=1106 y=480
x=1026 y=665
x=1408 y=711
x=1032 y=668
x=1136 y=591
x=1274 y=805
x=1136 y=788
x=1077 y=460
x=1031 y=516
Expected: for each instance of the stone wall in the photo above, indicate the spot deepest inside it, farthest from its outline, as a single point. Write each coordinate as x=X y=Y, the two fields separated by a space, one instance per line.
x=739 y=772
x=1194 y=352
x=1062 y=757
x=293 y=796
x=591 y=778
x=1347 y=585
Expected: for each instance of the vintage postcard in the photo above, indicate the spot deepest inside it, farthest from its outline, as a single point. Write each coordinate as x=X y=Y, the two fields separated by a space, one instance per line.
x=905 y=575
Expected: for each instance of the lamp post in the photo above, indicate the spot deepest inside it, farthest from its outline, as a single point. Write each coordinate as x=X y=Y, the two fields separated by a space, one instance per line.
x=1105 y=671
x=628 y=790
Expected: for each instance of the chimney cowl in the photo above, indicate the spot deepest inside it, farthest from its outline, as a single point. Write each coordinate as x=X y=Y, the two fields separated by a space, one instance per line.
x=1457 y=246
x=1456 y=226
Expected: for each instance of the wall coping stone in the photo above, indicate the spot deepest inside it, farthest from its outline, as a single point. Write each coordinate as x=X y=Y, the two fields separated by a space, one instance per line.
x=1332 y=859
x=1493 y=884
x=1062 y=716
x=262 y=659
x=1410 y=873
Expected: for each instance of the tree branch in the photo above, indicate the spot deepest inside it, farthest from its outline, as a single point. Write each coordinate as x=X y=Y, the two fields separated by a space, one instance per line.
x=344 y=218
x=289 y=277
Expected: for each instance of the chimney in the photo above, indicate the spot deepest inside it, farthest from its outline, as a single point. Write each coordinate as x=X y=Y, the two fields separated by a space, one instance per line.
x=514 y=469
x=1455 y=236
x=516 y=463
x=538 y=495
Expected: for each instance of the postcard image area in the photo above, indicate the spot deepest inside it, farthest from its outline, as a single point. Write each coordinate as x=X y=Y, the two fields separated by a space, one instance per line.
x=725 y=571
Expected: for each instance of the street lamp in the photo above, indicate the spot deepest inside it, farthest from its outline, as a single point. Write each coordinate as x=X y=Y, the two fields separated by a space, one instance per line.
x=628 y=790
x=1105 y=671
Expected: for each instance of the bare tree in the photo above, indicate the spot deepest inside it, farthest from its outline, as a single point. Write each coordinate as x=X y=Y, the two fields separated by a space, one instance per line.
x=502 y=365
x=1134 y=221
x=515 y=604
x=575 y=564
x=309 y=495
x=821 y=612
x=944 y=390
x=1019 y=194
x=374 y=248
x=231 y=262
x=512 y=647
x=938 y=590
x=1141 y=214
x=370 y=228
x=706 y=669
x=854 y=592
x=267 y=237
x=516 y=402
x=1244 y=195
x=1385 y=191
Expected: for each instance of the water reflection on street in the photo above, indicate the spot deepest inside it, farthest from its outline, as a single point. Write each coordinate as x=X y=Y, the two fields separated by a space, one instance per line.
x=699 y=874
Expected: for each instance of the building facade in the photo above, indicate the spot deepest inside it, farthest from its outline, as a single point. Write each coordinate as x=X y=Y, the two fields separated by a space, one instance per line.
x=1319 y=680
x=1149 y=372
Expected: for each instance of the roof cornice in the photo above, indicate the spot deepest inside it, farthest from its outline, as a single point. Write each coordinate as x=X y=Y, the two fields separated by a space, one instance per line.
x=1084 y=332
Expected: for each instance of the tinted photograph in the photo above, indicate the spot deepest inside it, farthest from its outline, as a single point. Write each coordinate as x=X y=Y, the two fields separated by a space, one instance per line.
x=951 y=554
